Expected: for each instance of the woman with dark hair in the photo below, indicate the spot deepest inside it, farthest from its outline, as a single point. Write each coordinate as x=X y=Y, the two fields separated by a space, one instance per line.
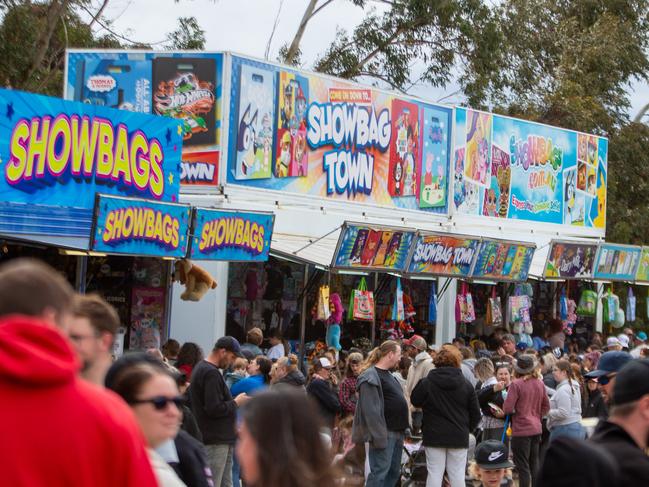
x=491 y=398
x=188 y=356
x=279 y=347
x=258 y=377
x=347 y=392
x=280 y=444
x=451 y=413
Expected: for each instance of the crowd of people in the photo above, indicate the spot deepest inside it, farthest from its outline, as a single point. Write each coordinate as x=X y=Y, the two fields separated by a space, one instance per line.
x=481 y=412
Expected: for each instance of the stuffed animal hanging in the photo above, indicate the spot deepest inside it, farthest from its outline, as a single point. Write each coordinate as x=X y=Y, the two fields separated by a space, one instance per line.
x=197 y=280
x=334 y=321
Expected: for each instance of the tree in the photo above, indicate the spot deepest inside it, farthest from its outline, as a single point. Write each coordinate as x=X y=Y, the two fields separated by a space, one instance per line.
x=188 y=36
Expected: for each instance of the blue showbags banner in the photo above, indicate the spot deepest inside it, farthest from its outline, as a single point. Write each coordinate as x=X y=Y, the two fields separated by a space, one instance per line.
x=140 y=227
x=231 y=235
x=59 y=154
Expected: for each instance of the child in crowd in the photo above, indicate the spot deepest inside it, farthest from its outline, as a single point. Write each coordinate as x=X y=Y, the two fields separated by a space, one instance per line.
x=238 y=372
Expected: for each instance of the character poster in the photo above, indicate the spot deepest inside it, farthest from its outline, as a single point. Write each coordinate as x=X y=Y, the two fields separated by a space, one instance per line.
x=570 y=260
x=404 y=149
x=478 y=147
x=503 y=261
x=495 y=201
x=643 y=267
x=433 y=180
x=291 y=153
x=617 y=262
x=147 y=318
x=255 y=121
x=365 y=247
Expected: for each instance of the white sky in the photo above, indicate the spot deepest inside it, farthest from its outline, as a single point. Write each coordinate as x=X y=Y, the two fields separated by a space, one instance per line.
x=244 y=26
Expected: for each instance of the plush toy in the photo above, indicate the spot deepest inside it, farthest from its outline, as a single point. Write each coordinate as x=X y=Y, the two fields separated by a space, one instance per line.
x=334 y=321
x=197 y=280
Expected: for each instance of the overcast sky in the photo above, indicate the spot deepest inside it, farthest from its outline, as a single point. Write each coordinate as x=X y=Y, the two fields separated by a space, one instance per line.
x=244 y=26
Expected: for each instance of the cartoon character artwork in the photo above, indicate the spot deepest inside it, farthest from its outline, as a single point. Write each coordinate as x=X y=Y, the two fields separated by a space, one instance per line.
x=392 y=254
x=404 y=149
x=459 y=190
x=434 y=158
x=489 y=207
x=569 y=195
x=359 y=245
x=386 y=237
x=291 y=157
x=599 y=221
x=496 y=197
x=592 y=150
x=503 y=177
x=582 y=175
x=255 y=123
x=371 y=247
x=478 y=147
x=591 y=180
x=582 y=147
x=185 y=89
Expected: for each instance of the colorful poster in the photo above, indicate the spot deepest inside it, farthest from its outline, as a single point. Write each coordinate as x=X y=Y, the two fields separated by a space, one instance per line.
x=231 y=235
x=443 y=255
x=55 y=155
x=570 y=260
x=503 y=261
x=291 y=149
x=555 y=175
x=186 y=86
x=140 y=227
x=617 y=262
x=373 y=248
x=436 y=147
x=147 y=318
x=643 y=266
x=404 y=149
x=352 y=142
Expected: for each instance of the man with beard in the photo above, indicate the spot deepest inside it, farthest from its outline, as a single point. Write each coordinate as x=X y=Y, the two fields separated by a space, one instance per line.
x=609 y=365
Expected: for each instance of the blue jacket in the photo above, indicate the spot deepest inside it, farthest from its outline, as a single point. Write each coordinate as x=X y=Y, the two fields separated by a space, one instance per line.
x=248 y=385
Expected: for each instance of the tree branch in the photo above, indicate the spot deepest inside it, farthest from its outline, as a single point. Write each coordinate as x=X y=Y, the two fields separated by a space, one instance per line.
x=295 y=43
x=54 y=13
x=98 y=14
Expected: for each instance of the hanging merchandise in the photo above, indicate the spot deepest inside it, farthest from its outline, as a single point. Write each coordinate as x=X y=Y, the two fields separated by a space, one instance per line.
x=432 y=304
x=323 y=312
x=361 y=306
x=519 y=312
x=587 y=303
x=571 y=319
x=494 y=309
x=619 y=318
x=464 y=306
x=611 y=305
x=398 y=312
x=563 y=306
x=630 y=305
x=334 y=321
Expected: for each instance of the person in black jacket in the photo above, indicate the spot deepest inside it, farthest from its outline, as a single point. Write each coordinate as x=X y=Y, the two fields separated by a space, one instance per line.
x=451 y=412
x=321 y=390
x=192 y=466
x=491 y=398
x=595 y=406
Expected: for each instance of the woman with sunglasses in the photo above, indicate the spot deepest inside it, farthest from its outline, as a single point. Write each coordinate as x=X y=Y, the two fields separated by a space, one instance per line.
x=153 y=395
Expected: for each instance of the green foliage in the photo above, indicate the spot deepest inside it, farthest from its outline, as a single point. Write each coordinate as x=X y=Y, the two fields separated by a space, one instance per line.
x=188 y=36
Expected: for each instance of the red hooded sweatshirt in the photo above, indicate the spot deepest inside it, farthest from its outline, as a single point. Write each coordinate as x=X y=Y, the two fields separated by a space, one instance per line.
x=55 y=428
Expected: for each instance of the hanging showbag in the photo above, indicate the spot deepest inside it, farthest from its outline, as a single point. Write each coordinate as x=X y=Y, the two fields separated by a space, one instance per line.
x=494 y=309
x=611 y=304
x=630 y=305
x=618 y=322
x=398 y=312
x=464 y=304
x=563 y=306
x=323 y=312
x=432 y=304
x=362 y=303
x=587 y=303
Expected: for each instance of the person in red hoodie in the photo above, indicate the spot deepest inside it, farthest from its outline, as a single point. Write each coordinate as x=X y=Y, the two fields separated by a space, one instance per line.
x=58 y=429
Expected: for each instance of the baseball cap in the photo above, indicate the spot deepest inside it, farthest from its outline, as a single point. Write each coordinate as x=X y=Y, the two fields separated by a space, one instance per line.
x=632 y=382
x=624 y=340
x=492 y=455
x=609 y=362
x=642 y=336
x=230 y=344
x=612 y=342
x=324 y=362
x=521 y=346
x=417 y=341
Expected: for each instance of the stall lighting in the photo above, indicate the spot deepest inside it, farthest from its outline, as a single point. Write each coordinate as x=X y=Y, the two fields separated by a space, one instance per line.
x=488 y=283
x=320 y=267
x=168 y=258
x=79 y=253
x=352 y=273
x=394 y=274
x=96 y=254
x=422 y=278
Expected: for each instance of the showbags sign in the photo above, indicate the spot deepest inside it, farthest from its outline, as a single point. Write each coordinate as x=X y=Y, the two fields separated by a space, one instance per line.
x=140 y=227
x=231 y=235
x=372 y=247
x=308 y=134
x=60 y=154
x=443 y=255
x=570 y=260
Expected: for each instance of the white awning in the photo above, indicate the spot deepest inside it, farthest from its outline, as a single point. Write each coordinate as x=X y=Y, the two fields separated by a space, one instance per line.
x=309 y=250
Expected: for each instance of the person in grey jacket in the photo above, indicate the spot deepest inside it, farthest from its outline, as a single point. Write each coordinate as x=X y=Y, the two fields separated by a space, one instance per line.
x=381 y=416
x=564 y=418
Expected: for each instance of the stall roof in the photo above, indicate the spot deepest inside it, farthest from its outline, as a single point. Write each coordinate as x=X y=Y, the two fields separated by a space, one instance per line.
x=70 y=243
x=310 y=250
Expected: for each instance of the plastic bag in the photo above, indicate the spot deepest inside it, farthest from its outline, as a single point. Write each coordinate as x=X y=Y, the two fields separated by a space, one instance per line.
x=323 y=312
x=611 y=304
x=587 y=303
x=618 y=322
x=362 y=303
x=630 y=305
x=432 y=304
x=398 y=312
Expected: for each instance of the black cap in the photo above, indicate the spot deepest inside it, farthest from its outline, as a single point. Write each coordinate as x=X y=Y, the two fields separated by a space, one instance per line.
x=632 y=382
x=492 y=455
x=230 y=344
x=608 y=363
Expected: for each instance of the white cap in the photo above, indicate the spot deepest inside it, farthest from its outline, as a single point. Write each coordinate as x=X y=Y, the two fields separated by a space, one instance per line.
x=324 y=362
x=624 y=340
x=612 y=342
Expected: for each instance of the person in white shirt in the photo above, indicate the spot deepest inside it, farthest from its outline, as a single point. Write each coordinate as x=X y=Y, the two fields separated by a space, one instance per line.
x=279 y=347
x=564 y=418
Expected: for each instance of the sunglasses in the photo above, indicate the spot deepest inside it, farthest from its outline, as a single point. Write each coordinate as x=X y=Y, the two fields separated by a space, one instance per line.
x=605 y=379
x=160 y=402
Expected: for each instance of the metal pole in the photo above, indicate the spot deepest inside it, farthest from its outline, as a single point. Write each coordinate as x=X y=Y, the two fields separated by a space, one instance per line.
x=80 y=277
x=373 y=331
x=303 y=316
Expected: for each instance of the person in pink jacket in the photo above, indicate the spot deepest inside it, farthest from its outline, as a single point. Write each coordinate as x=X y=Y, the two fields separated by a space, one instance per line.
x=526 y=403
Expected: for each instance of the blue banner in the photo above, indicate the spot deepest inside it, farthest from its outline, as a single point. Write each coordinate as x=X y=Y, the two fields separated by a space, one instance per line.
x=617 y=262
x=503 y=261
x=59 y=154
x=140 y=227
x=231 y=235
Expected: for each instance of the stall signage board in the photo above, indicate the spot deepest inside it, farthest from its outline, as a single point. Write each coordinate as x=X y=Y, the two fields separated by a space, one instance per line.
x=140 y=227
x=58 y=154
x=373 y=247
x=313 y=135
x=503 y=261
x=570 y=260
x=617 y=262
x=231 y=235
x=516 y=169
x=443 y=255
x=643 y=266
